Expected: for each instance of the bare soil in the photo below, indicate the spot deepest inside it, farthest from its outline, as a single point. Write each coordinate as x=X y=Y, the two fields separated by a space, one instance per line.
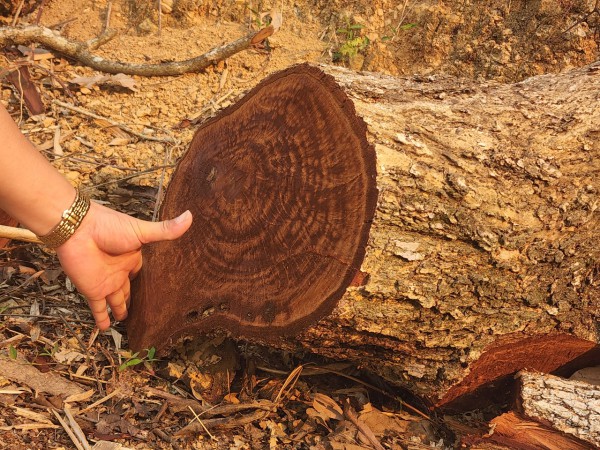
x=143 y=404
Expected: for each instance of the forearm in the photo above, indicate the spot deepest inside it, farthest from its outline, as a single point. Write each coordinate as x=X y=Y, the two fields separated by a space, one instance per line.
x=31 y=190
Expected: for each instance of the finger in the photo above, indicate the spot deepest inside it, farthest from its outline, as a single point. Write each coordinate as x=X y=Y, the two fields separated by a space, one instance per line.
x=116 y=300
x=98 y=308
x=127 y=292
x=165 y=230
x=137 y=267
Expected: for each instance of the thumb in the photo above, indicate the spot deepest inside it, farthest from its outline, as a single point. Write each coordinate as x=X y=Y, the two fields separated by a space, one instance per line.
x=166 y=230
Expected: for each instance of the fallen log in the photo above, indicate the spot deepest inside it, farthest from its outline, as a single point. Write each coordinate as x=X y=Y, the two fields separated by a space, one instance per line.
x=482 y=255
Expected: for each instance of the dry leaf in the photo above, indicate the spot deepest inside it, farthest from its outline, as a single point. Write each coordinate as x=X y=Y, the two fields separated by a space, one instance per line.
x=117 y=338
x=119 y=79
x=119 y=141
x=31 y=415
x=327 y=407
x=57 y=148
x=276 y=19
x=379 y=422
x=66 y=356
x=80 y=397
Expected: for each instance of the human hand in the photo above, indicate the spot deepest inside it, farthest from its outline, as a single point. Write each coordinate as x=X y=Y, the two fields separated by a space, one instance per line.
x=104 y=254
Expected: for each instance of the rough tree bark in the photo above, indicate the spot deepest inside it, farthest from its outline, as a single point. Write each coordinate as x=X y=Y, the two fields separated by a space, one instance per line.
x=572 y=407
x=483 y=255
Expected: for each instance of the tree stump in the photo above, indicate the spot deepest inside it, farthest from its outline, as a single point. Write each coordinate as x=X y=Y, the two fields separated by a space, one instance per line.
x=482 y=256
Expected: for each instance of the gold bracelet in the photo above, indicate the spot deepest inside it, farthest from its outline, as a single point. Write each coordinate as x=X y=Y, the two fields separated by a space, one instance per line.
x=71 y=219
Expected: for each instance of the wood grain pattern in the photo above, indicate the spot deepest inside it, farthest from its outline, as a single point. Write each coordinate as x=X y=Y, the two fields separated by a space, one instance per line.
x=282 y=187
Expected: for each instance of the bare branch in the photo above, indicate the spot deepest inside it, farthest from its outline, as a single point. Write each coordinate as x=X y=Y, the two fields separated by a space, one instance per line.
x=80 y=52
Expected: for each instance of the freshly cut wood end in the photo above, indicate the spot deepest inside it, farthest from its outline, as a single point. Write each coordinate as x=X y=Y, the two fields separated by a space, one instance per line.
x=514 y=432
x=545 y=353
x=282 y=186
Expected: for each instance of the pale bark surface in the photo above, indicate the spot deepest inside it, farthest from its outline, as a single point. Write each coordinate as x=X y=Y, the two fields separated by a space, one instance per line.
x=486 y=230
x=572 y=407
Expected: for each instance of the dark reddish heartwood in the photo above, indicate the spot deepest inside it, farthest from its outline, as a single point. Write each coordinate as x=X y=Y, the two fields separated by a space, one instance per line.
x=282 y=187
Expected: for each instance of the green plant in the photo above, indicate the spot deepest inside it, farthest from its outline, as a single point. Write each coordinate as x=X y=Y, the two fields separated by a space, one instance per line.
x=393 y=31
x=258 y=19
x=49 y=352
x=134 y=359
x=12 y=352
x=353 y=43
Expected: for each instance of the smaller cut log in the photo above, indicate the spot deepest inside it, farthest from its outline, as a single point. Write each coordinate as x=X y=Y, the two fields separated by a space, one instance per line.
x=514 y=432
x=570 y=406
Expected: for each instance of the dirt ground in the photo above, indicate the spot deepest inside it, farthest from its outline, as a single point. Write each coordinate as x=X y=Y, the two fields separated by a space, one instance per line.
x=249 y=399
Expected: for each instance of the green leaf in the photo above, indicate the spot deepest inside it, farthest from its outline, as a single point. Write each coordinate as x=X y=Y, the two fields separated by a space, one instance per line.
x=407 y=26
x=129 y=363
x=12 y=352
x=356 y=26
x=151 y=352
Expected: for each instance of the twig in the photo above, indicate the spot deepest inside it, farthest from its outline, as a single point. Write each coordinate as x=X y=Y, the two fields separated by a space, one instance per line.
x=80 y=52
x=99 y=402
x=166 y=437
x=128 y=177
x=107 y=20
x=350 y=414
x=289 y=383
x=40 y=11
x=311 y=371
x=200 y=422
x=159 y=17
x=123 y=127
x=18 y=234
x=18 y=13
x=21 y=286
x=69 y=431
x=77 y=429
x=223 y=423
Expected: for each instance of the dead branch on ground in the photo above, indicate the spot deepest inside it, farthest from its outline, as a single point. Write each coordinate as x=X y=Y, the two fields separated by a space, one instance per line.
x=80 y=51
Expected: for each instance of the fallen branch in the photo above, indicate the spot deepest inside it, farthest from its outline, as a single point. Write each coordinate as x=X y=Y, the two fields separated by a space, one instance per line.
x=80 y=51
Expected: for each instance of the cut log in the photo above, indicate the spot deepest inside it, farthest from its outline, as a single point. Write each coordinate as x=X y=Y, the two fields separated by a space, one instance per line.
x=514 y=432
x=482 y=257
x=572 y=407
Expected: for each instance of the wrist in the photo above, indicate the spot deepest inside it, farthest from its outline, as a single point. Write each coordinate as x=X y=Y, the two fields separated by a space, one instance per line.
x=69 y=223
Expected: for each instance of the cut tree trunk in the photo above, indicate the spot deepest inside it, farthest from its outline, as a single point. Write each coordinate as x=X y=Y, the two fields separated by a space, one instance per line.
x=482 y=256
